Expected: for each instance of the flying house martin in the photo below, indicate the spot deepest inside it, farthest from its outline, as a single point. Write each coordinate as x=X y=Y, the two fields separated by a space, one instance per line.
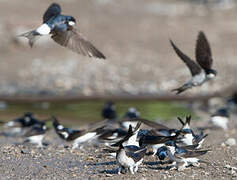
x=201 y=70
x=62 y=31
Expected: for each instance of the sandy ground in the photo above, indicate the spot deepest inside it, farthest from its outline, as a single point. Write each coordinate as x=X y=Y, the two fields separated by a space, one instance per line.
x=134 y=35
x=56 y=162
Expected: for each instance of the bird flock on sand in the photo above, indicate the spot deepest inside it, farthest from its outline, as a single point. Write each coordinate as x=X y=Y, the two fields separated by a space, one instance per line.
x=128 y=139
x=131 y=138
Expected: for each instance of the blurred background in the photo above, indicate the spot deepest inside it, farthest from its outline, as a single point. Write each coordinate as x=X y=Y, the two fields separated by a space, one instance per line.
x=134 y=35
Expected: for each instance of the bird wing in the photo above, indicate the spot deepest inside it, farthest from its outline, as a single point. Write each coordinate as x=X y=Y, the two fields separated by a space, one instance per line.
x=75 y=134
x=193 y=67
x=152 y=124
x=203 y=51
x=53 y=10
x=157 y=139
x=136 y=156
x=190 y=147
x=75 y=41
x=132 y=148
x=33 y=131
x=200 y=137
x=190 y=154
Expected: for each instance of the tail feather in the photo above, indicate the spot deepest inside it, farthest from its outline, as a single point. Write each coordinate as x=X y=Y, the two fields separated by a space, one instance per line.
x=181 y=89
x=31 y=36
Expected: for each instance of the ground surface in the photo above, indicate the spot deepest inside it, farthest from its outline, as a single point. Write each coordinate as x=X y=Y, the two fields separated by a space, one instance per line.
x=134 y=35
x=56 y=162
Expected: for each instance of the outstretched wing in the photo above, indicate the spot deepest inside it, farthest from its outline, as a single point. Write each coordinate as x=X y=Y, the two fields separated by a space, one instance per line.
x=203 y=51
x=152 y=124
x=75 y=41
x=191 y=154
x=193 y=67
x=53 y=10
x=136 y=156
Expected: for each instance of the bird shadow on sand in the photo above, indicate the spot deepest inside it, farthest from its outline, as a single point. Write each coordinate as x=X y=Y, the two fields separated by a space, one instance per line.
x=109 y=171
x=106 y=171
x=155 y=163
x=159 y=165
x=102 y=163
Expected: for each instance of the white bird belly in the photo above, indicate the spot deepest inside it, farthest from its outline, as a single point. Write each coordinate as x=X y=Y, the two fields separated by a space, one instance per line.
x=124 y=160
x=198 y=79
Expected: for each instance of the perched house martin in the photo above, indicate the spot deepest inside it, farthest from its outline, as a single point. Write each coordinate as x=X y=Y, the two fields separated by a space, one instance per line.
x=129 y=156
x=129 y=142
x=221 y=118
x=201 y=70
x=26 y=120
x=79 y=137
x=36 y=133
x=109 y=111
x=62 y=31
x=182 y=157
x=162 y=151
x=18 y=126
x=187 y=136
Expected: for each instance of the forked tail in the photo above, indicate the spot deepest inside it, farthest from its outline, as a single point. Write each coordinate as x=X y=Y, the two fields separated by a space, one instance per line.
x=182 y=88
x=31 y=36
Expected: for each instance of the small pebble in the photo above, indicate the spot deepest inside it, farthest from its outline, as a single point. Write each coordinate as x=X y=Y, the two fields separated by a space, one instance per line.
x=230 y=142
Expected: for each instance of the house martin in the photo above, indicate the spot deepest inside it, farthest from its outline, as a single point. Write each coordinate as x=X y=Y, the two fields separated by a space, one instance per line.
x=62 y=31
x=201 y=70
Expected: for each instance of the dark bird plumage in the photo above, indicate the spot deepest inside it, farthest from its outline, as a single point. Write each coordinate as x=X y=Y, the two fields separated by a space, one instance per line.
x=109 y=111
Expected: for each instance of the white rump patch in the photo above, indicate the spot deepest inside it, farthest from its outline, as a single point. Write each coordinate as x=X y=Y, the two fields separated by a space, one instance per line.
x=44 y=29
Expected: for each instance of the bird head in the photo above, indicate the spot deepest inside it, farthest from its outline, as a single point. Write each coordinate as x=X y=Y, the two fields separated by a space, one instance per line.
x=71 y=21
x=211 y=73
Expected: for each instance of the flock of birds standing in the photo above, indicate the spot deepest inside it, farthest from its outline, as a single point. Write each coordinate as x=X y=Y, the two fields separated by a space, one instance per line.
x=124 y=139
x=128 y=139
